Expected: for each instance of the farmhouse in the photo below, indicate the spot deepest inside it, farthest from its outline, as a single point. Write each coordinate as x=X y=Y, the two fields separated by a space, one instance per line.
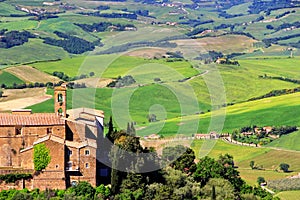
x=74 y=138
x=211 y=135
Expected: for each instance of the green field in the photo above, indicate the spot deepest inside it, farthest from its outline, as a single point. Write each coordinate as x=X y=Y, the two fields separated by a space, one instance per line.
x=9 y=79
x=243 y=155
x=290 y=142
x=112 y=66
x=240 y=83
x=23 y=54
x=289 y=195
x=7 y=9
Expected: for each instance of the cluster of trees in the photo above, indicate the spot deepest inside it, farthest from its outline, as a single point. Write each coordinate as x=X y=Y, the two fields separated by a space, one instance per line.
x=122 y=81
x=259 y=135
x=283 y=130
x=111 y=15
x=103 y=7
x=253 y=166
x=285 y=184
x=287 y=25
x=71 y=43
x=104 y=26
x=70 y=85
x=261 y=5
x=284 y=14
x=269 y=41
x=196 y=22
x=25 y=85
x=210 y=57
x=195 y=31
x=67 y=78
x=43 y=17
x=227 y=16
x=280 y=78
x=226 y=61
x=274 y=93
x=176 y=54
x=14 y=38
x=177 y=175
x=144 y=13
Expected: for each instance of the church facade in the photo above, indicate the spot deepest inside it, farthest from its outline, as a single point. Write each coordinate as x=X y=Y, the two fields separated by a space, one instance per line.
x=72 y=136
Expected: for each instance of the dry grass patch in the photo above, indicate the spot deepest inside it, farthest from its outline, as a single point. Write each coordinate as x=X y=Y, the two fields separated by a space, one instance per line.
x=31 y=75
x=95 y=82
x=148 y=53
x=226 y=44
x=22 y=98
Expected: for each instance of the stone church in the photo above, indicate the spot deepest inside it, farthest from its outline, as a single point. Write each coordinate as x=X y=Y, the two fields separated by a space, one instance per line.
x=72 y=136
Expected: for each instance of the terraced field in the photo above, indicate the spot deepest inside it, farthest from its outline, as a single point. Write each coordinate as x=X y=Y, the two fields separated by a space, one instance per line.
x=31 y=75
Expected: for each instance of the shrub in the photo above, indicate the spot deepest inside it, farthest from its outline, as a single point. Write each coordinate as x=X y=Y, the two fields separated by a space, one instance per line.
x=41 y=157
x=284 y=167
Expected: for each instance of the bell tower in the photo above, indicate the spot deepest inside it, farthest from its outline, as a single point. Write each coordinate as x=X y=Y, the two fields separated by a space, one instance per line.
x=60 y=100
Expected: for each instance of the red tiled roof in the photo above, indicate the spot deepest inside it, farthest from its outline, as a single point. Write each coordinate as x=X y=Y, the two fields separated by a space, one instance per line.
x=37 y=119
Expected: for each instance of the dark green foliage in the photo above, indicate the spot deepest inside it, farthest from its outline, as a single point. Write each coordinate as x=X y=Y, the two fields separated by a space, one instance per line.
x=260 y=180
x=41 y=157
x=111 y=15
x=22 y=196
x=122 y=81
x=102 y=192
x=261 y=137
x=274 y=93
x=222 y=168
x=259 y=6
x=11 y=178
x=181 y=158
x=83 y=189
x=284 y=167
x=67 y=78
x=252 y=164
x=269 y=41
x=213 y=193
x=105 y=26
x=281 y=78
x=71 y=43
x=14 y=38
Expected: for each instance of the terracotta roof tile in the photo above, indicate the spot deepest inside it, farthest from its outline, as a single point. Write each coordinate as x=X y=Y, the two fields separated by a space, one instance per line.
x=38 y=119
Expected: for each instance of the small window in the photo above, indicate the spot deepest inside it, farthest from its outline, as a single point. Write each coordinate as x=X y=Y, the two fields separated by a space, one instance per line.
x=59 y=97
x=70 y=152
x=87 y=152
x=18 y=131
x=87 y=165
x=56 y=166
x=69 y=165
x=74 y=183
x=49 y=130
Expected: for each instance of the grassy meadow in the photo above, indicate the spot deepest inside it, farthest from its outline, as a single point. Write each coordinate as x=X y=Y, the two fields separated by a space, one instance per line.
x=243 y=155
x=9 y=79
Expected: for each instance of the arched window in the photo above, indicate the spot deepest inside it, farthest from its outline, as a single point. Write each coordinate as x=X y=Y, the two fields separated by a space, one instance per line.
x=60 y=98
x=60 y=111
